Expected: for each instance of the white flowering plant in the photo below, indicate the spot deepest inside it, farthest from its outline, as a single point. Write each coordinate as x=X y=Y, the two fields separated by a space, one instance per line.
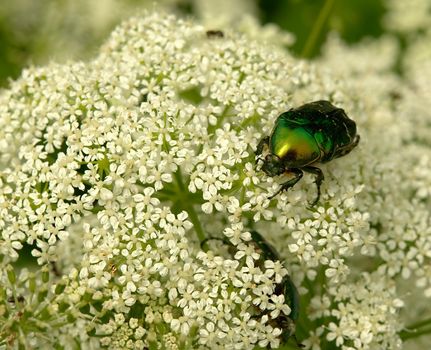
x=119 y=175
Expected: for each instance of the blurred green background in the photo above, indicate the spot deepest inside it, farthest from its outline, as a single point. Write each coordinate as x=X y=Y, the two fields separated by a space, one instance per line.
x=353 y=19
x=35 y=32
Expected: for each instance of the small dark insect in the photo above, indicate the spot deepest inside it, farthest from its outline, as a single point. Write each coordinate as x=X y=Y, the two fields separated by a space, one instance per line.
x=215 y=34
x=314 y=133
x=395 y=95
x=19 y=299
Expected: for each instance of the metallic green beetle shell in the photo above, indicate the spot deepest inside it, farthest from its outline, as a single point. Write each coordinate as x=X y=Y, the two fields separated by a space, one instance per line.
x=314 y=132
x=286 y=287
x=291 y=297
x=293 y=144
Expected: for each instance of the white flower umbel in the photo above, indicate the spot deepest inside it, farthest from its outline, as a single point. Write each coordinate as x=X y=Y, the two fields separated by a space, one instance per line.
x=114 y=172
x=396 y=155
x=407 y=16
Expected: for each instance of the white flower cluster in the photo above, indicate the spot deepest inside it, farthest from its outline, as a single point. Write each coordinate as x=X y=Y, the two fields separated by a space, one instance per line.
x=408 y=16
x=104 y=167
x=74 y=29
x=114 y=173
x=61 y=30
x=394 y=164
x=361 y=313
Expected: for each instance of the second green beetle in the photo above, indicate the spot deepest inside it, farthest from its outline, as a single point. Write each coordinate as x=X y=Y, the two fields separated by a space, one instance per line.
x=313 y=133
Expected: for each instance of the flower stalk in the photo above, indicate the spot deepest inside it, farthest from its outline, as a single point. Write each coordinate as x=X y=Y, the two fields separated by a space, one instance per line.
x=317 y=28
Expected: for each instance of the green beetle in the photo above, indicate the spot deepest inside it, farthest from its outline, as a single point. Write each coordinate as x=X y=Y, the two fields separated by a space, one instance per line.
x=285 y=287
x=313 y=133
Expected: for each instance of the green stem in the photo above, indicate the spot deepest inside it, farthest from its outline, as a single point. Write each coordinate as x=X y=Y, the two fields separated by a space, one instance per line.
x=416 y=330
x=304 y=323
x=317 y=28
x=188 y=206
x=419 y=324
x=195 y=220
x=414 y=334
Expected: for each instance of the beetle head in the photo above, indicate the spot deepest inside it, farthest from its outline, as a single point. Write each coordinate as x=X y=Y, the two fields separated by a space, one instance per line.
x=272 y=165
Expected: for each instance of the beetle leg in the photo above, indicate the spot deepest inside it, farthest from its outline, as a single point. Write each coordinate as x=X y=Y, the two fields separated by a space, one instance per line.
x=262 y=143
x=290 y=183
x=319 y=179
x=298 y=344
